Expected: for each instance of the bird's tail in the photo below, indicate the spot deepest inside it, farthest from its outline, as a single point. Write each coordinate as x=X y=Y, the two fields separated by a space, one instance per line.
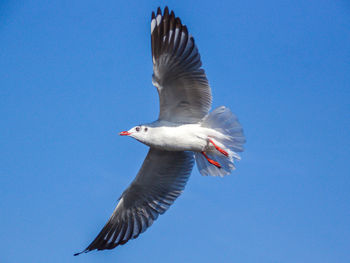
x=226 y=141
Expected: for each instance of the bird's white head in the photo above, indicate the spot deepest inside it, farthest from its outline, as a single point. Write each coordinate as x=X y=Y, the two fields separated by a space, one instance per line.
x=139 y=133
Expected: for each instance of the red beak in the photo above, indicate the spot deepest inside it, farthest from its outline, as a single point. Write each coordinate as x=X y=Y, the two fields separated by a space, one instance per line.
x=124 y=133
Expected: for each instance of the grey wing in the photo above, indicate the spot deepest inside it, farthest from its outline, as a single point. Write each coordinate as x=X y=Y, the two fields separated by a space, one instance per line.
x=159 y=182
x=184 y=92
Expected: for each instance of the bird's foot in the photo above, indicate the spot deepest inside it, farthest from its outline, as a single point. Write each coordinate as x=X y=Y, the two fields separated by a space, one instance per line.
x=218 y=148
x=211 y=161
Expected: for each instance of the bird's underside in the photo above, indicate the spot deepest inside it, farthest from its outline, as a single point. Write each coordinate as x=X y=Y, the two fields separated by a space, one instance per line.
x=185 y=99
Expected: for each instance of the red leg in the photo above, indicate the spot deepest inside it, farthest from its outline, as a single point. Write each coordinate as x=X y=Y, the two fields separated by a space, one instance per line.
x=211 y=161
x=218 y=148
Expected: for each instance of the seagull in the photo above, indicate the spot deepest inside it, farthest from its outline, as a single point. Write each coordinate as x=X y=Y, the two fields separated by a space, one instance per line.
x=185 y=132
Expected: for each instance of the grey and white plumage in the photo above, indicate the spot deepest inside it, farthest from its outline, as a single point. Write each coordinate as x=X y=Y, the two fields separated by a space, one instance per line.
x=159 y=182
x=184 y=92
x=184 y=129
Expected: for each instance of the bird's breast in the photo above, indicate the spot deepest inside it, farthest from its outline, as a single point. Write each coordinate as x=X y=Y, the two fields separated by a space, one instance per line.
x=189 y=137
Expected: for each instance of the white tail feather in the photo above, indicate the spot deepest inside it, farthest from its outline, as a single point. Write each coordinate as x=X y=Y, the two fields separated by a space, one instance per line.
x=230 y=138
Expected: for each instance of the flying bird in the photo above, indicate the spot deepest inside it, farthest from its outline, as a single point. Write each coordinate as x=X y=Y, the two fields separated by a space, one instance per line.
x=185 y=132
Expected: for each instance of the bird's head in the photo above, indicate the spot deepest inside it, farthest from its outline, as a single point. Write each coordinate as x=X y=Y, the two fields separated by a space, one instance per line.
x=139 y=133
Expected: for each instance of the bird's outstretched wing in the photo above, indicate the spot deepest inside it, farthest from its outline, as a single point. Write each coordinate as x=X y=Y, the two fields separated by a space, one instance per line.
x=184 y=92
x=159 y=182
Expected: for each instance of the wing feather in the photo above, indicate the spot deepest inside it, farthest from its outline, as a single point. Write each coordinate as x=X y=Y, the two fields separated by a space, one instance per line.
x=159 y=182
x=184 y=92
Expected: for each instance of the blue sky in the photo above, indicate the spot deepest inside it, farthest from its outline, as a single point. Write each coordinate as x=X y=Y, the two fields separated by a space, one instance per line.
x=74 y=73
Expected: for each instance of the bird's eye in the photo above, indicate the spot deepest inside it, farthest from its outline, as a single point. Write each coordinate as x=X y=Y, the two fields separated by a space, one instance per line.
x=146 y=129
x=137 y=129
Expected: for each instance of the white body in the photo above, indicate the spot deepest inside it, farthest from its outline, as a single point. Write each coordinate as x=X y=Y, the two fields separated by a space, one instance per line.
x=180 y=137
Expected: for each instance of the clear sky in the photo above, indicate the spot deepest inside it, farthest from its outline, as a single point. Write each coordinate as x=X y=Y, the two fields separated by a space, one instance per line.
x=74 y=73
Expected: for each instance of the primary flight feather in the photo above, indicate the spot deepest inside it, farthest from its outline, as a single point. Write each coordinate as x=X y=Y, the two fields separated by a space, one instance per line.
x=185 y=131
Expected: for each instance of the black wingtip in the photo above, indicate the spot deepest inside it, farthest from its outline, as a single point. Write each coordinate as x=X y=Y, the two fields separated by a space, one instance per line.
x=153 y=16
x=84 y=251
x=166 y=10
x=166 y=13
x=178 y=22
